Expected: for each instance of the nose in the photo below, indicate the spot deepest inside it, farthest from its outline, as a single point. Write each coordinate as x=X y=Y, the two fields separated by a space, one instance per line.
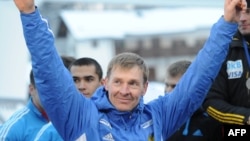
x=124 y=89
x=81 y=85
x=243 y=16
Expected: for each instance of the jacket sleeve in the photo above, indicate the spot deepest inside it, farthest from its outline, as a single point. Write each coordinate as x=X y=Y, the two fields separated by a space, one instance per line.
x=216 y=103
x=193 y=86
x=65 y=106
x=49 y=133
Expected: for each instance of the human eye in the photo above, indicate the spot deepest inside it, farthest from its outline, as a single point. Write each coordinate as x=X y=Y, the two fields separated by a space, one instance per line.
x=76 y=80
x=117 y=82
x=134 y=84
x=170 y=85
x=89 y=79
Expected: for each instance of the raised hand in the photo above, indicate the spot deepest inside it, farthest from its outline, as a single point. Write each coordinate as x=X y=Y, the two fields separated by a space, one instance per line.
x=232 y=9
x=25 y=6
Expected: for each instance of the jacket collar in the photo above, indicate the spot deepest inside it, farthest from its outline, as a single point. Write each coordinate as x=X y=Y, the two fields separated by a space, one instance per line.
x=237 y=40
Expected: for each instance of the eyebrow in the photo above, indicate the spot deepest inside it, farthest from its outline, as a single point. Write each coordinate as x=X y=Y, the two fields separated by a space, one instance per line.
x=88 y=76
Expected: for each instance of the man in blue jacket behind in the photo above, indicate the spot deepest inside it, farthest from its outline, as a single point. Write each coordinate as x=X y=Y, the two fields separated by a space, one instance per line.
x=24 y=124
x=116 y=111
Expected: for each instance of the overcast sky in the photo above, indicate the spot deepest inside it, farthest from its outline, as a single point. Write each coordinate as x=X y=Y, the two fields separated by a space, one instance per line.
x=13 y=55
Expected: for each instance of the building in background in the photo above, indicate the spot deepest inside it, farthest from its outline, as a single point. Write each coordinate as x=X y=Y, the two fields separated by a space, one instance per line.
x=162 y=31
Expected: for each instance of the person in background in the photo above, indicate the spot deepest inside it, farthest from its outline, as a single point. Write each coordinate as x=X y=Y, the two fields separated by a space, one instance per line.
x=31 y=118
x=174 y=73
x=87 y=75
x=116 y=111
x=67 y=60
x=199 y=127
x=26 y=122
x=228 y=100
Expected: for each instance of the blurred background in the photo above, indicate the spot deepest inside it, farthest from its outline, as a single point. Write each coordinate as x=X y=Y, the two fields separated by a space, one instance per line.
x=161 y=31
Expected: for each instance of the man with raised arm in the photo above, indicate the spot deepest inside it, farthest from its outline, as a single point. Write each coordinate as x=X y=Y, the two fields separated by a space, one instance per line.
x=117 y=111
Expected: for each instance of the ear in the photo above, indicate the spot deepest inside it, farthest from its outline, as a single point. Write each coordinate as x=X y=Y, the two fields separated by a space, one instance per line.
x=102 y=81
x=145 y=87
x=31 y=89
x=105 y=83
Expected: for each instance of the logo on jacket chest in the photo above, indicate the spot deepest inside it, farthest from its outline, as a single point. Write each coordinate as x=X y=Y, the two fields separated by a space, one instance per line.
x=234 y=69
x=116 y=131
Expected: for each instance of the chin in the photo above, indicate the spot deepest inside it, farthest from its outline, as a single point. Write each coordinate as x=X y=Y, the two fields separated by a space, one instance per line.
x=123 y=108
x=245 y=32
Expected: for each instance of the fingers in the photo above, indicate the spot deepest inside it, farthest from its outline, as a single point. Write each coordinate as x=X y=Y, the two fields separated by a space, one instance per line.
x=25 y=6
x=232 y=8
x=242 y=4
x=232 y=4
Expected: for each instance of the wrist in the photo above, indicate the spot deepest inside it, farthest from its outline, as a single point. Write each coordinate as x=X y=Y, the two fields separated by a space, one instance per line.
x=28 y=10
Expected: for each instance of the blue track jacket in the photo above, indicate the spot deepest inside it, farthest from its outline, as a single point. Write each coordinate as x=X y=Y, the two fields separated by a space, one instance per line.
x=79 y=118
x=23 y=124
x=48 y=133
